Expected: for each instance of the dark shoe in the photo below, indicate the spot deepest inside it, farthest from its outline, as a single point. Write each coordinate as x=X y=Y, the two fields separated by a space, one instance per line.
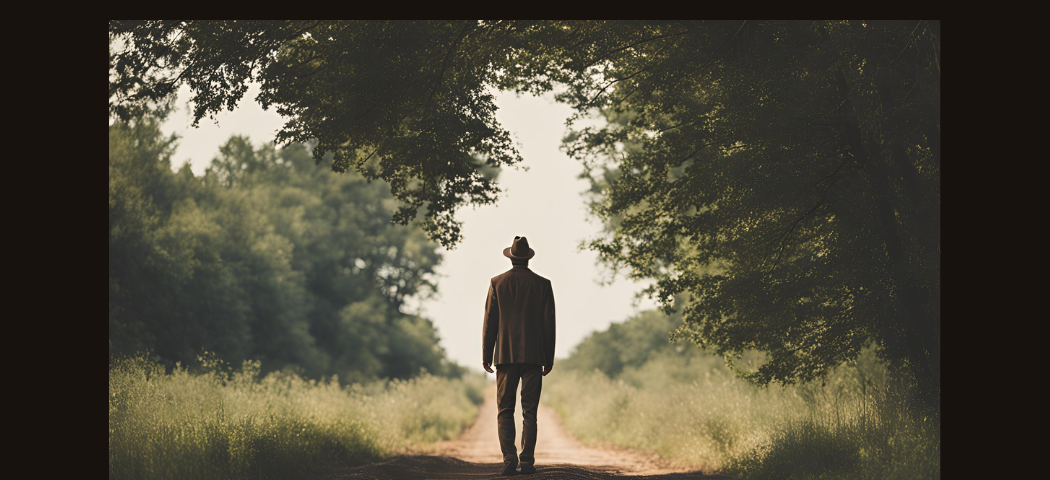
x=527 y=469
x=511 y=469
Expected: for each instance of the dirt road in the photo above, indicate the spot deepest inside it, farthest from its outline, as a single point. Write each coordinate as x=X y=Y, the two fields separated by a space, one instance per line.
x=476 y=455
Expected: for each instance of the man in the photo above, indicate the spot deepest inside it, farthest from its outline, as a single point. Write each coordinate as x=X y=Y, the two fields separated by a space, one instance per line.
x=519 y=325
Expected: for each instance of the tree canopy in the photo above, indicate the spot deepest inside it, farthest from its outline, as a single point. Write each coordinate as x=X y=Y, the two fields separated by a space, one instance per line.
x=405 y=102
x=783 y=174
x=786 y=175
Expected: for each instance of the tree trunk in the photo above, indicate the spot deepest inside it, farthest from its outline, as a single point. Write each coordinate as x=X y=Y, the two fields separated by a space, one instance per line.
x=917 y=339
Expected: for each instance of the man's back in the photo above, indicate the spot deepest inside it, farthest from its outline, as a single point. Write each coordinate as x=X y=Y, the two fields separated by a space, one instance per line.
x=519 y=319
x=519 y=326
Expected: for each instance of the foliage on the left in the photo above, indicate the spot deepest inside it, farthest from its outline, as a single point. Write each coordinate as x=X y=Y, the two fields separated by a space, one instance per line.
x=407 y=102
x=265 y=257
x=218 y=423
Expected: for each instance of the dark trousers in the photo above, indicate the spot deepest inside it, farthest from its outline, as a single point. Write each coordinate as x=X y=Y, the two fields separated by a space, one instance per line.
x=507 y=376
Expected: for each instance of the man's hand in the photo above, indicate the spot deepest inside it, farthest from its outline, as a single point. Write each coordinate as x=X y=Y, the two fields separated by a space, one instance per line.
x=547 y=369
x=488 y=367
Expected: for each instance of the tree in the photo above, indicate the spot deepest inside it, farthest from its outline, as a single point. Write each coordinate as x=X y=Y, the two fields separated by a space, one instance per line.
x=786 y=175
x=264 y=257
x=405 y=102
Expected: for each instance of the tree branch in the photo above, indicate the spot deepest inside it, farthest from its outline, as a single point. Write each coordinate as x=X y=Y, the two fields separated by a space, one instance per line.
x=832 y=173
x=625 y=47
x=784 y=238
x=910 y=40
x=677 y=126
x=738 y=30
x=444 y=65
x=301 y=32
x=606 y=87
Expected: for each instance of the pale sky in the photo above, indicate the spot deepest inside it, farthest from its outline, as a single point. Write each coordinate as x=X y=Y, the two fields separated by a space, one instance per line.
x=543 y=204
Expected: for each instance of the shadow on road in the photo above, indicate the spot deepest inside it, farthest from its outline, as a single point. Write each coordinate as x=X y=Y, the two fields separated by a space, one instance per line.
x=441 y=467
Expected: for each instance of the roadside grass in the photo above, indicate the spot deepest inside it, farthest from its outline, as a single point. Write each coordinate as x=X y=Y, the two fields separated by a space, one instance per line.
x=695 y=411
x=221 y=423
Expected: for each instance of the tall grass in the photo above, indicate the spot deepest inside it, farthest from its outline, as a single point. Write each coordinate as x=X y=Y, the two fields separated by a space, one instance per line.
x=219 y=423
x=856 y=425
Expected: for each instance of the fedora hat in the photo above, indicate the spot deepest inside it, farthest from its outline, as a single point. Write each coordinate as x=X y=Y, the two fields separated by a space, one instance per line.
x=519 y=249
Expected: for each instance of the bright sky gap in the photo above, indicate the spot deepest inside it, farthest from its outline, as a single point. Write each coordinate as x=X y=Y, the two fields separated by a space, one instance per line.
x=543 y=204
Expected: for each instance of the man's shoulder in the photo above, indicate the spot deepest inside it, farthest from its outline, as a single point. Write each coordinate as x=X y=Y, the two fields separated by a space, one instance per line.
x=540 y=277
x=500 y=277
x=529 y=273
x=497 y=277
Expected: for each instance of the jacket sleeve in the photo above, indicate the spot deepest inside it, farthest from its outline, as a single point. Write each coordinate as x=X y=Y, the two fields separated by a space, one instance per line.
x=491 y=325
x=549 y=325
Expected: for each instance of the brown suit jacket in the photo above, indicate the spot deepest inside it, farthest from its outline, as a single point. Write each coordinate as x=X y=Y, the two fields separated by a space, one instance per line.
x=519 y=319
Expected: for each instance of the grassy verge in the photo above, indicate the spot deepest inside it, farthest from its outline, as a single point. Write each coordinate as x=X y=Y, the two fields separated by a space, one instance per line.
x=233 y=424
x=855 y=426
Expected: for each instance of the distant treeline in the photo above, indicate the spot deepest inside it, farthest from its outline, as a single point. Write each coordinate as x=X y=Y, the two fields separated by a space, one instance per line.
x=267 y=256
x=627 y=345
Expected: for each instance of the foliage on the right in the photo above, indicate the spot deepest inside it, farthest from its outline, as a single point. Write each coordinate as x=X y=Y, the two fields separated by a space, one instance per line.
x=786 y=175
